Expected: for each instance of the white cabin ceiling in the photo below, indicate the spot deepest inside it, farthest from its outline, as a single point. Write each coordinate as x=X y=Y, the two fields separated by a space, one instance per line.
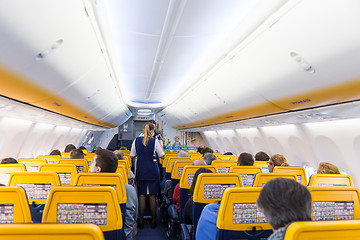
x=192 y=60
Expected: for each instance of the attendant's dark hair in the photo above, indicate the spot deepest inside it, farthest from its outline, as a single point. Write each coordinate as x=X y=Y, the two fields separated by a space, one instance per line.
x=245 y=159
x=197 y=173
x=69 y=148
x=283 y=201
x=261 y=156
x=147 y=134
x=9 y=160
x=106 y=160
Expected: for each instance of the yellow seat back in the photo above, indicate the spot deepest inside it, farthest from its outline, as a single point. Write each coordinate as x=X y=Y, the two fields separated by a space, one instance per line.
x=171 y=161
x=14 y=207
x=189 y=172
x=81 y=164
x=69 y=205
x=262 y=164
x=223 y=166
x=247 y=173
x=335 y=203
x=37 y=185
x=66 y=172
x=7 y=169
x=262 y=178
x=326 y=180
x=210 y=187
x=32 y=164
x=238 y=211
x=51 y=159
x=345 y=230
x=178 y=168
x=298 y=171
x=65 y=155
x=121 y=169
x=103 y=179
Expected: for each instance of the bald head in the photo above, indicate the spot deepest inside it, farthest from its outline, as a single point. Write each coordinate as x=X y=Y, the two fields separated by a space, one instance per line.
x=198 y=162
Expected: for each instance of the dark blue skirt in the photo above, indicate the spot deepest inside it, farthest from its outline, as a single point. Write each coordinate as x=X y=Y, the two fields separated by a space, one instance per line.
x=148 y=187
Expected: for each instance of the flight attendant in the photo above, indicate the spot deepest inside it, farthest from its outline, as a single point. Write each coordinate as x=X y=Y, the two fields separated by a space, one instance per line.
x=147 y=171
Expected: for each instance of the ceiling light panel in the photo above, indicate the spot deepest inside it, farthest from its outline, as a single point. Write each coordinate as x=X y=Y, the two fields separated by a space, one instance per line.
x=158 y=43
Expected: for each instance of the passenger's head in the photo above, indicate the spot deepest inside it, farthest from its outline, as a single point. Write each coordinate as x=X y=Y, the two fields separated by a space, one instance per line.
x=261 y=156
x=283 y=201
x=104 y=161
x=183 y=154
x=69 y=148
x=148 y=132
x=245 y=159
x=55 y=152
x=9 y=160
x=198 y=162
x=207 y=150
x=277 y=160
x=77 y=154
x=197 y=173
x=228 y=153
x=208 y=158
x=123 y=148
x=200 y=149
x=328 y=168
x=119 y=154
x=82 y=148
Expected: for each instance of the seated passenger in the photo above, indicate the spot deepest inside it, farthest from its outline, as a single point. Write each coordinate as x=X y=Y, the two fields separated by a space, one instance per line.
x=189 y=204
x=82 y=148
x=208 y=158
x=119 y=154
x=293 y=204
x=245 y=159
x=106 y=161
x=206 y=228
x=123 y=148
x=69 y=148
x=182 y=154
x=77 y=154
x=55 y=152
x=328 y=168
x=277 y=160
x=9 y=160
x=201 y=149
x=261 y=156
x=228 y=153
x=207 y=150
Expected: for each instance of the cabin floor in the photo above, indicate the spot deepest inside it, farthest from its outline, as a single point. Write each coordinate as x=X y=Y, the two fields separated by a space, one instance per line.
x=148 y=233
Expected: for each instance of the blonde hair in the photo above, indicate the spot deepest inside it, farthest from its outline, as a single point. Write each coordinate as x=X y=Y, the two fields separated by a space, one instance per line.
x=147 y=132
x=327 y=168
x=279 y=160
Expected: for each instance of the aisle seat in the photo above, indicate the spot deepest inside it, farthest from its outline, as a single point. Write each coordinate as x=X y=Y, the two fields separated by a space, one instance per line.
x=177 y=171
x=263 y=165
x=37 y=186
x=7 y=169
x=262 y=178
x=223 y=166
x=335 y=203
x=298 y=171
x=121 y=169
x=105 y=179
x=96 y=205
x=239 y=217
x=32 y=164
x=327 y=180
x=126 y=152
x=14 y=207
x=167 y=156
x=229 y=157
x=66 y=172
x=170 y=164
x=50 y=231
x=209 y=188
x=51 y=159
x=128 y=159
x=81 y=164
x=247 y=173
x=125 y=163
x=345 y=230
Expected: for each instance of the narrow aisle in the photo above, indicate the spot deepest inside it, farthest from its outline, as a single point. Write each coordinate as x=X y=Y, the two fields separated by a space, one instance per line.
x=159 y=233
